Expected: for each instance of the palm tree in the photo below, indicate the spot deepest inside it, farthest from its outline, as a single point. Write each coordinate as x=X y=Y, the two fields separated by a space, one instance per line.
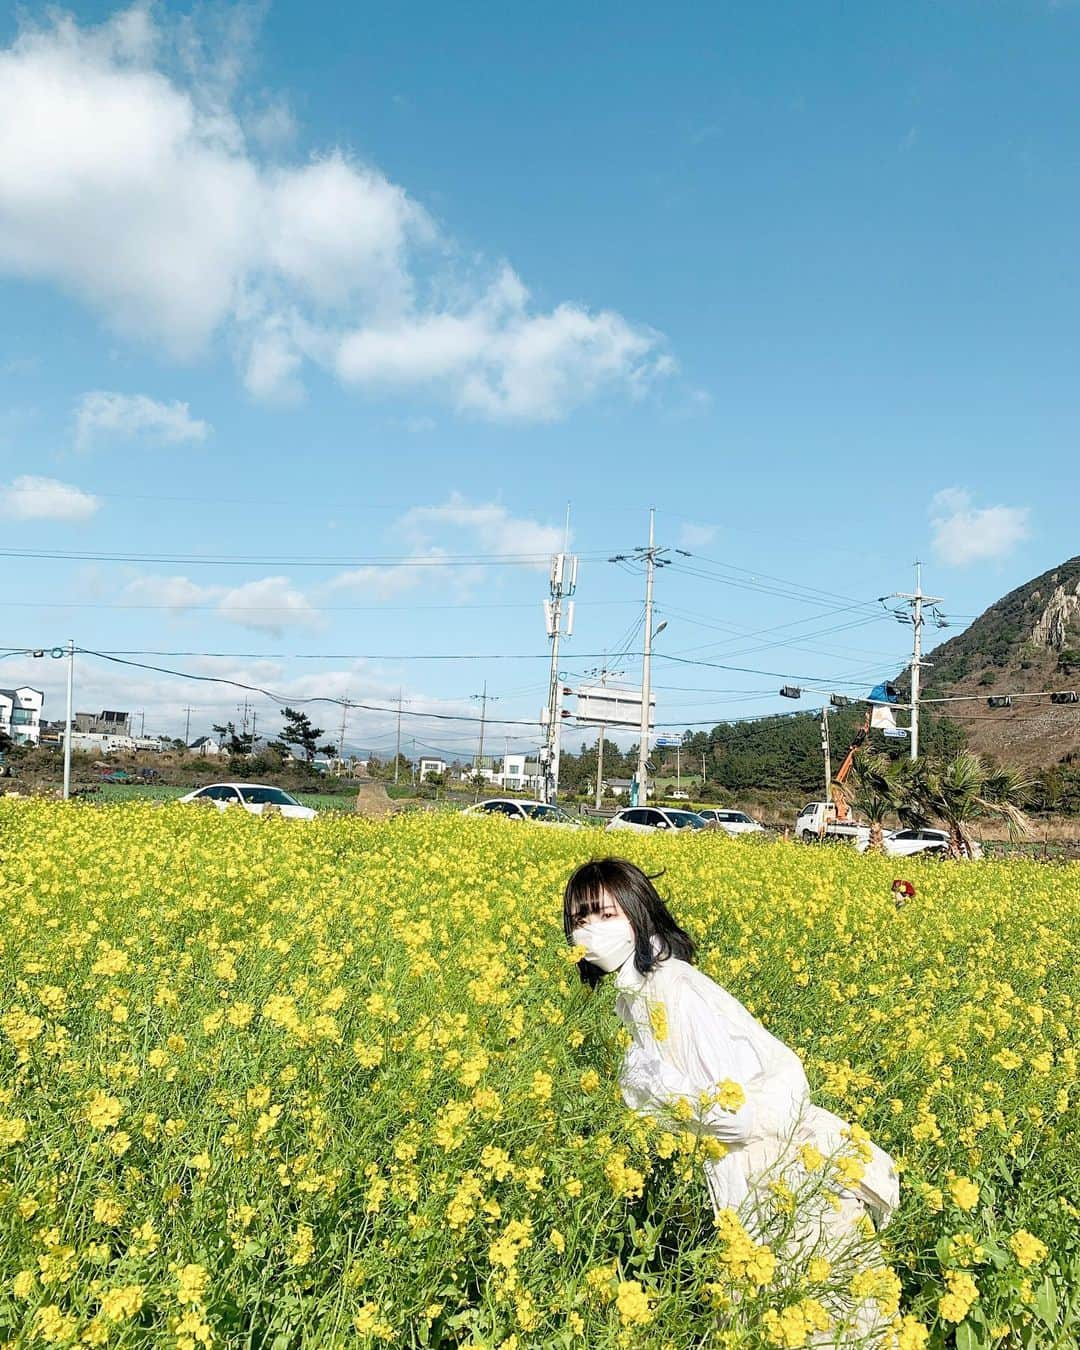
x=871 y=791
x=965 y=789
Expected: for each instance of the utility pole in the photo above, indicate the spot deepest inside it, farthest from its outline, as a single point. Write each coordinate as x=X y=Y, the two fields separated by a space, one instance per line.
x=678 y=768
x=602 y=675
x=916 y=600
x=397 y=751
x=254 y=715
x=341 y=737
x=244 y=709
x=703 y=774
x=646 y=665
x=187 y=725
x=67 y=732
x=828 y=757
x=142 y=723
x=653 y=558
x=563 y=583
x=483 y=698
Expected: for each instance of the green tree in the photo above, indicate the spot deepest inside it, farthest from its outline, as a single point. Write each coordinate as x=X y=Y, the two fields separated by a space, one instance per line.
x=298 y=733
x=232 y=741
x=965 y=789
x=873 y=791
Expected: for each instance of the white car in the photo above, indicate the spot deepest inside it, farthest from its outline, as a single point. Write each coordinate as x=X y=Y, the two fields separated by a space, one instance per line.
x=644 y=819
x=513 y=809
x=903 y=843
x=734 y=822
x=253 y=797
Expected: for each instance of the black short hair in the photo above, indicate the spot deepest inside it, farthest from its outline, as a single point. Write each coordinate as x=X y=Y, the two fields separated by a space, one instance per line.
x=638 y=899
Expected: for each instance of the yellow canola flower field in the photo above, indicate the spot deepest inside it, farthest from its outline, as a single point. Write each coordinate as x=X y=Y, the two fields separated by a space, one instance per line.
x=274 y=1085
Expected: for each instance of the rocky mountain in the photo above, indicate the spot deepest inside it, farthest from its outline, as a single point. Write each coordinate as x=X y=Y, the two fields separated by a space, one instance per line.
x=1026 y=642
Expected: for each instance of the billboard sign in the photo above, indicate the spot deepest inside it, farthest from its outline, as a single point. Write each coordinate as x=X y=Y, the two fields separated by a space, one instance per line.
x=605 y=705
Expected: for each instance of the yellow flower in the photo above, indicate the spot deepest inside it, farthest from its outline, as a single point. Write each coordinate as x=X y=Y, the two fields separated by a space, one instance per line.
x=632 y=1303
x=1027 y=1248
x=118 y=1305
x=964 y=1192
x=191 y=1282
x=12 y=1130
x=954 y=1305
x=102 y=1111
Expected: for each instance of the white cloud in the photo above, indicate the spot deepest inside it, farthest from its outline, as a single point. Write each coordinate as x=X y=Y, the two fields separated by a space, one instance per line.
x=105 y=415
x=693 y=536
x=386 y=583
x=269 y=606
x=963 y=533
x=174 y=593
x=129 y=179
x=496 y=358
x=31 y=498
x=489 y=524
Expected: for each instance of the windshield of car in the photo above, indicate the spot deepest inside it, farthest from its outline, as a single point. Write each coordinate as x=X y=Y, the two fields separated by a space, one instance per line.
x=267 y=796
x=686 y=820
x=739 y=818
x=541 y=812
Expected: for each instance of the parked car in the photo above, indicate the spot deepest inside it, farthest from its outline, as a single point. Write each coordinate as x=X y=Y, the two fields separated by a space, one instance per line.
x=904 y=843
x=733 y=822
x=513 y=809
x=642 y=819
x=253 y=797
x=679 y=795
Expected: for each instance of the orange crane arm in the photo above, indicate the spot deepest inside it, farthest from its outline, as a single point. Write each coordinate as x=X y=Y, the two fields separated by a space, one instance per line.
x=841 y=774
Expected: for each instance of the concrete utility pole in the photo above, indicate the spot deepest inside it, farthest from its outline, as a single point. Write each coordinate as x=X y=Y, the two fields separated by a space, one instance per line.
x=341 y=738
x=916 y=600
x=653 y=558
x=67 y=732
x=601 y=674
x=563 y=583
x=397 y=751
x=244 y=709
x=187 y=725
x=646 y=665
x=483 y=698
x=828 y=756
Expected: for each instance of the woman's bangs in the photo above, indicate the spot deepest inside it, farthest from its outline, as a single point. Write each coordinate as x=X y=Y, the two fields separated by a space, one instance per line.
x=585 y=895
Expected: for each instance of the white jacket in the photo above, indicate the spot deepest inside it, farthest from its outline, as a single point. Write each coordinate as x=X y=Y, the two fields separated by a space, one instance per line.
x=707 y=1037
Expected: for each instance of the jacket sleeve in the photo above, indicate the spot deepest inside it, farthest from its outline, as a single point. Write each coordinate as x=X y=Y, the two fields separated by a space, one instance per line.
x=701 y=1046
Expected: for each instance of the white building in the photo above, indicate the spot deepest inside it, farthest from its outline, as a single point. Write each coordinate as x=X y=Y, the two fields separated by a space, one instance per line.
x=205 y=745
x=100 y=742
x=20 y=714
x=429 y=765
x=518 y=773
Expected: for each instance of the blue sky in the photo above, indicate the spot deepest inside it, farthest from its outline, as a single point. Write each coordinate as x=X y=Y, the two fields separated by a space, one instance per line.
x=293 y=283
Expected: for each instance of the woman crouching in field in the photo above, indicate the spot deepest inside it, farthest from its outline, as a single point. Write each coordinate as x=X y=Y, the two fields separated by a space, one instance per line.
x=696 y=1051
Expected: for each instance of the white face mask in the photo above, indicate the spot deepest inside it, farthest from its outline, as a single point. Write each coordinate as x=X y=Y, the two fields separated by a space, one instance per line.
x=608 y=943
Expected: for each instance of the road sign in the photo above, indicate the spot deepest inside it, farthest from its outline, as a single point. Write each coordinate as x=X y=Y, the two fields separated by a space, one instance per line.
x=610 y=706
x=667 y=742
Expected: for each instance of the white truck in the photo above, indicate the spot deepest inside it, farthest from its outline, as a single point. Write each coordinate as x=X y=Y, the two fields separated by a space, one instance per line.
x=818 y=821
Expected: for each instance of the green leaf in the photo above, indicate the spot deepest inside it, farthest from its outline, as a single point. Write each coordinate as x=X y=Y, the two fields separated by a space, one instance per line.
x=1046 y=1304
x=968 y=1337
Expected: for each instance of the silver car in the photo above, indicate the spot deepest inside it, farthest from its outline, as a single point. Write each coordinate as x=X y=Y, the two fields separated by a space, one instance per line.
x=734 y=822
x=645 y=819
x=253 y=797
x=515 y=809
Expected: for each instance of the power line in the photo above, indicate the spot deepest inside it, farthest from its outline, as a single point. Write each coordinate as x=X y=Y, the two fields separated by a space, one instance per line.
x=267 y=560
